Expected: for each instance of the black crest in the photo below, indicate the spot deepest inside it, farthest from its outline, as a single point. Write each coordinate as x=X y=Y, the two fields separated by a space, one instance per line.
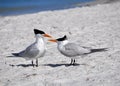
x=62 y=39
x=36 y=31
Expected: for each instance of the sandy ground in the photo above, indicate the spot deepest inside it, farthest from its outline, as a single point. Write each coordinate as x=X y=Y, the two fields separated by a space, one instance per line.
x=96 y=26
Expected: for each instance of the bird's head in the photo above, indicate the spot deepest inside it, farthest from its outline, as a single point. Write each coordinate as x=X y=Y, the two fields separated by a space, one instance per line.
x=58 y=40
x=40 y=33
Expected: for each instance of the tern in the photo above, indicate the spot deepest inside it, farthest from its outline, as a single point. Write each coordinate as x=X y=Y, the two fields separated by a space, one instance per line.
x=35 y=50
x=73 y=50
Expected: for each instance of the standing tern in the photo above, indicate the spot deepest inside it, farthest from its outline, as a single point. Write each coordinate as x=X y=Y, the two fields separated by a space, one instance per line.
x=35 y=50
x=73 y=50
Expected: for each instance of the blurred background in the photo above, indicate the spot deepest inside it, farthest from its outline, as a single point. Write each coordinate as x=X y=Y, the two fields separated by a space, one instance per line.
x=15 y=7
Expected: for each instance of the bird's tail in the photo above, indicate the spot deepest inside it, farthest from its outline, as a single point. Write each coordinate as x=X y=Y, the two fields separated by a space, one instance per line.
x=14 y=55
x=98 y=50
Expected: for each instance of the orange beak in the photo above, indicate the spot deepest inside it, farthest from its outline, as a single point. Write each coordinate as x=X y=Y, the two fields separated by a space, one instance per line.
x=52 y=40
x=46 y=35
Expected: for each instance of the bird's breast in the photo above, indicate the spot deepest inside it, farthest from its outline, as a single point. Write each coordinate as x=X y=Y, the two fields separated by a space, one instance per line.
x=42 y=50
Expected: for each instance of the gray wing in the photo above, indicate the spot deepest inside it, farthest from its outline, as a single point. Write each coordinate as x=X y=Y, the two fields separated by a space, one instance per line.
x=72 y=49
x=31 y=51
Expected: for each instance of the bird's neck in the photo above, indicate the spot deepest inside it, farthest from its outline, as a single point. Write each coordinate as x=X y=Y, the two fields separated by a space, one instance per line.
x=65 y=42
x=60 y=44
x=40 y=40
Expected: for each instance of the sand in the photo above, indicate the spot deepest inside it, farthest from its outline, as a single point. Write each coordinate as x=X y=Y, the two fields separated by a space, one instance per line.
x=95 y=26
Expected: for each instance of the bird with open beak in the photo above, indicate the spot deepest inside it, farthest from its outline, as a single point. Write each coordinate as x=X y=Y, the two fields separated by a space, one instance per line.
x=73 y=50
x=35 y=50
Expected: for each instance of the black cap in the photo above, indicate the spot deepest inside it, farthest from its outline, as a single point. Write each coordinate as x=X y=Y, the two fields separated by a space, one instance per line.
x=62 y=39
x=36 y=31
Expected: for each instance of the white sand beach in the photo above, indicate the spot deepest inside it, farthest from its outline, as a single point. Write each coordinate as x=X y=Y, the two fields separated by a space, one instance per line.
x=95 y=26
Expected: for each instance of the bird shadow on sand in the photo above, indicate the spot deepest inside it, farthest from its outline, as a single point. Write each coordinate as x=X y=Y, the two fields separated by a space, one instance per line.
x=22 y=65
x=58 y=65
x=10 y=56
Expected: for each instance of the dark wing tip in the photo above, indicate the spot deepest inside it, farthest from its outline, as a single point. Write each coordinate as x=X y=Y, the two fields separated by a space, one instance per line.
x=15 y=54
x=99 y=50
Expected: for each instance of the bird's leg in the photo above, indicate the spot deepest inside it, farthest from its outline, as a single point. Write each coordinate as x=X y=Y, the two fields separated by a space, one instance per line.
x=74 y=62
x=36 y=62
x=71 y=62
x=32 y=63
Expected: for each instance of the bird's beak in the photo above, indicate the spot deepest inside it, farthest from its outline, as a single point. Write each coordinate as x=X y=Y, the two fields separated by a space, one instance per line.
x=52 y=40
x=46 y=35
